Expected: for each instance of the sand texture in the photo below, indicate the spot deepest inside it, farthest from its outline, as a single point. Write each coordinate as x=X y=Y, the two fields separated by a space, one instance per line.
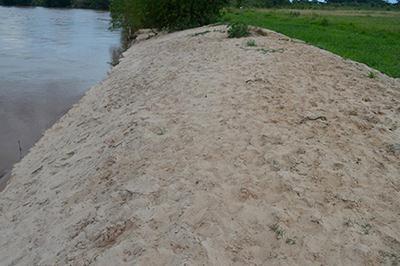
x=200 y=150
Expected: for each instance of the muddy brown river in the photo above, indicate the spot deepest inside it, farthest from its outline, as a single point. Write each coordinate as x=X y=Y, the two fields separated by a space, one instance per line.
x=48 y=59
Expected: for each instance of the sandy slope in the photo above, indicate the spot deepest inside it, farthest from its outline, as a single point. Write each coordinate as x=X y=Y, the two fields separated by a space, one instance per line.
x=200 y=150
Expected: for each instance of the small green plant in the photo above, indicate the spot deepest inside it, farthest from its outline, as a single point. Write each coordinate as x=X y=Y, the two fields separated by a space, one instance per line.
x=371 y=75
x=365 y=228
x=290 y=241
x=279 y=232
x=238 y=30
x=251 y=43
x=266 y=51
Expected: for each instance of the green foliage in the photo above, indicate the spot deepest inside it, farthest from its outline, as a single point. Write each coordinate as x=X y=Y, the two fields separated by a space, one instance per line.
x=369 y=37
x=15 y=2
x=57 y=3
x=261 y=3
x=92 y=4
x=164 y=14
x=238 y=30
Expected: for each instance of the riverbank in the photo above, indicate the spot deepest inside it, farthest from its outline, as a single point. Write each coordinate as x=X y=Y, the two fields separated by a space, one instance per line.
x=200 y=149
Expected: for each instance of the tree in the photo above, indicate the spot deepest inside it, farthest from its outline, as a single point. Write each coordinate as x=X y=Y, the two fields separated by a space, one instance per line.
x=164 y=14
x=358 y=2
x=15 y=2
x=57 y=3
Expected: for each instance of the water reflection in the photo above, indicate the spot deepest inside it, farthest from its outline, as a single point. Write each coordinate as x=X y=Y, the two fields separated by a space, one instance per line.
x=48 y=59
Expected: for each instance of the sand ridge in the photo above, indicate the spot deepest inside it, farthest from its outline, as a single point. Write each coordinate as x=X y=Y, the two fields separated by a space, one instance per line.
x=198 y=149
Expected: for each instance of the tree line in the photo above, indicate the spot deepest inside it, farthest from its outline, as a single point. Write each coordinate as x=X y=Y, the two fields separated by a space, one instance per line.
x=182 y=5
x=92 y=4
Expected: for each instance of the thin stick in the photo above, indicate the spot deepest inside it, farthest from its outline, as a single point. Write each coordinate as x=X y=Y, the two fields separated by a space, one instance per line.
x=20 y=149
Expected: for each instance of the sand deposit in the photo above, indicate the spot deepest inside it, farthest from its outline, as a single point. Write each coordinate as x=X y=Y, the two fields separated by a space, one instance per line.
x=200 y=150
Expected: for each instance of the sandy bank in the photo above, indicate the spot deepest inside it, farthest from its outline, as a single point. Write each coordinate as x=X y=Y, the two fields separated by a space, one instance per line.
x=200 y=150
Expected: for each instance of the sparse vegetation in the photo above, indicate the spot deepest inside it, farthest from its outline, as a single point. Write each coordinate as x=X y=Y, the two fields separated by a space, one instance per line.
x=266 y=51
x=238 y=30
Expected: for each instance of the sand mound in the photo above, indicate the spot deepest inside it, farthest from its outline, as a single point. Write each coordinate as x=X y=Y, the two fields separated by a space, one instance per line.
x=201 y=150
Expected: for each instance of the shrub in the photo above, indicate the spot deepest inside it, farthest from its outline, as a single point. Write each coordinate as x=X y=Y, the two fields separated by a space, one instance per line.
x=238 y=30
x=164 y=14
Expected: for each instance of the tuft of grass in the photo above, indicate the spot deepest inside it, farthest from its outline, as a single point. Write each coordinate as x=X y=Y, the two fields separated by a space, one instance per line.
x=371 y=75
x=238 y=30
x=266 y=51
x=279 y=232
x=365 y=228
x=251 y=43
x=371 y=38
x=290 y=241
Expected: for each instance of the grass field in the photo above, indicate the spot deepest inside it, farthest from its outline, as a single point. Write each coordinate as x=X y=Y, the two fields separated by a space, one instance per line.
x=370 y=37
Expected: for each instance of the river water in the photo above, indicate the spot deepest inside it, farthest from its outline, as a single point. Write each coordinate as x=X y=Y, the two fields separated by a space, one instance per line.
x=48 y=59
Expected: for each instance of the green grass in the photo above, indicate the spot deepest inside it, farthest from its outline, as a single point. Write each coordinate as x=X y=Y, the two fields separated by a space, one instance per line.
x=369 y=37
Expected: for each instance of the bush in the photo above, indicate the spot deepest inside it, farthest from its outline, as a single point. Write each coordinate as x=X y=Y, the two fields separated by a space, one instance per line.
x=238 y=30
x=164 y=14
